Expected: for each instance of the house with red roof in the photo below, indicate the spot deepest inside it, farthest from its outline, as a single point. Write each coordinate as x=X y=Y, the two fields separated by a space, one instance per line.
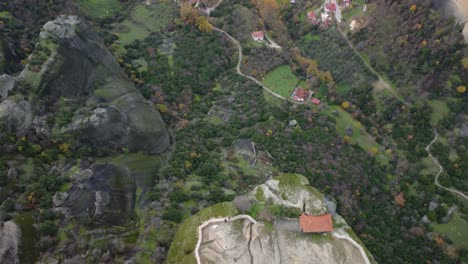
x=312 y=16
x=316 y=101
x=316 y=223
x=330 y=7
x=300 y=95
x=258 y=35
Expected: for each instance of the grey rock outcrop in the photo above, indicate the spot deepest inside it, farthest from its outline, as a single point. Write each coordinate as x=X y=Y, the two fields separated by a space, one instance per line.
x=83 y=175
x=79 y=66
x=7 y=83
x=108 y=197
x=15 y=114
x=59 y=198
x=9 y=240
x=464 y=130
x=12 y=174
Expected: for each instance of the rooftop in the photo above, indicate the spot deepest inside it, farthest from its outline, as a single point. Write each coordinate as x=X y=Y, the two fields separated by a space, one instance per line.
x=316 y=223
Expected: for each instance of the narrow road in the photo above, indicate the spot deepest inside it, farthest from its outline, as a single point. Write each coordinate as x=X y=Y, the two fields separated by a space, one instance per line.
x=272 y=44
x=386 y=85
x=238 y=69
x=441 y=169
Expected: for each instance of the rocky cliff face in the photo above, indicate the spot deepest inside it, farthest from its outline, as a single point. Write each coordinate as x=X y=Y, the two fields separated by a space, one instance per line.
x=274 y=236
x=71 y=62
x=9 y=239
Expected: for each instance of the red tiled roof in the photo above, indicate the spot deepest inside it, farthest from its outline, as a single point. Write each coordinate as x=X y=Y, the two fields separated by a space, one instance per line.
x=301 y=93
x=316 y=223
x=315 y=101
x=311 y=15
x=258 y=34
x=331 y=7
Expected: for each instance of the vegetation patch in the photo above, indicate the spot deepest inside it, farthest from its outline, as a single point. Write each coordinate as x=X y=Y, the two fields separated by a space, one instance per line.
x=145 y=20
x=100 y=8
x=359 y=136
x=186 y=238
x=456 y=230
x=440 y=110
x=281 y=80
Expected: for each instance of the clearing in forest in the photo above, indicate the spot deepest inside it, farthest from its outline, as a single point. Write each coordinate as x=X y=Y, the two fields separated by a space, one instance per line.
x=145 y=20
x=346 y=125
x=100 y=8
x=281 y=80
x=456 y=229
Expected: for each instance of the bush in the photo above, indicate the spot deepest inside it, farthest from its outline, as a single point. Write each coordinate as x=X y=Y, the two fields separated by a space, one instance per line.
x=173 y=215
x=48 y=228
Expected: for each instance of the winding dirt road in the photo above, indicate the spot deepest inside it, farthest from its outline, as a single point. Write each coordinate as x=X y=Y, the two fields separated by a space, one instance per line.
x=239 y=47
x=441 y=169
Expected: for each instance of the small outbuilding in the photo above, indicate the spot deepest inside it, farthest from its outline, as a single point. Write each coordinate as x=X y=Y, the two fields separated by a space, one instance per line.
x=316 y=101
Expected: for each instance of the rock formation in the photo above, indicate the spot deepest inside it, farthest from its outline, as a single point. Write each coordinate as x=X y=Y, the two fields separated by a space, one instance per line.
x=274 y=237
x=71 y=62
x=9 y=240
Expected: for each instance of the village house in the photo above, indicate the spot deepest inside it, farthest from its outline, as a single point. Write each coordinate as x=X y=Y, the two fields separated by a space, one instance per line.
x=316 y=223
x=312 y=17
x=316 y=101
x=330 y=7
x=292 y=1
x=300 y=94
x=258 y=35
x=346 y=3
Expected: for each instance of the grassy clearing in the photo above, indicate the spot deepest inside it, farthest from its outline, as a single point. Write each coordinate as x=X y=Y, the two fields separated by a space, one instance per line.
x=360 y=137
x=440 y=111
x=430 y=168
x=349 y=13
x=281 y=80
x=100 y=8
x=456 y=230
x=144 y=20
x=186 y=238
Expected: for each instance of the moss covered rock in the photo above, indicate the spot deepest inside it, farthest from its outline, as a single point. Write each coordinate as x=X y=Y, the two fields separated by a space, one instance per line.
x=71 y=61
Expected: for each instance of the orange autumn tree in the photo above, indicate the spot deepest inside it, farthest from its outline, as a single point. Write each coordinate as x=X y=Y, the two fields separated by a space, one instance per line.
x=311 y=67
x=188 y=14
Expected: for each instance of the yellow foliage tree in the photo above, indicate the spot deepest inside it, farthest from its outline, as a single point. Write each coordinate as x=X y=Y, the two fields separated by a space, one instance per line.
x=345 y=105
x=465 y=63
x=64 y=147
x=413 y=8
x=162 y=108
x=203 y=24
x=346 y=139
x=461 y=89
x=423 y=43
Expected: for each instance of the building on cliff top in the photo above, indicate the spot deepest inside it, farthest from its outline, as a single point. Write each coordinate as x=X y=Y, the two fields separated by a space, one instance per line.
x=316 y=223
